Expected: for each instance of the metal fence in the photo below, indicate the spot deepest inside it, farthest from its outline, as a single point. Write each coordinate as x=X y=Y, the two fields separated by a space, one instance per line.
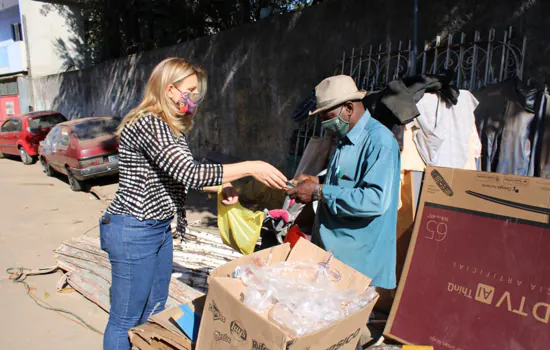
x=472 y=62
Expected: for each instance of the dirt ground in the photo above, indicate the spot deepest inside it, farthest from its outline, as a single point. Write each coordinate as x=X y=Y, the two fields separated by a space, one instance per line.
x=37 y=214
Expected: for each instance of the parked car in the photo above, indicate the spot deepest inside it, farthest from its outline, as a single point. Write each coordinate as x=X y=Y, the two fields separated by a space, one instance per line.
x=21 y=135
x=82 y=149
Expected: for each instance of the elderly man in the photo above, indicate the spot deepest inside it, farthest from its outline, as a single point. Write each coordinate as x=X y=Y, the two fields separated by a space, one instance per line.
x=358 y=198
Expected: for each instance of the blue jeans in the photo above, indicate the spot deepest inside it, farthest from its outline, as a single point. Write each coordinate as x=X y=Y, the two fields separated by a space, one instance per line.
x=141 y=260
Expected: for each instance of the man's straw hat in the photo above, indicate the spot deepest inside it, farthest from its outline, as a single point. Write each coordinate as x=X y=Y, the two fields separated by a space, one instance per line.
x=335 y=91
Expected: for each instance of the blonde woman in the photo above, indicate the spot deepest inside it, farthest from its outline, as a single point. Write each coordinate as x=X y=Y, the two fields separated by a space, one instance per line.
x=156 y=170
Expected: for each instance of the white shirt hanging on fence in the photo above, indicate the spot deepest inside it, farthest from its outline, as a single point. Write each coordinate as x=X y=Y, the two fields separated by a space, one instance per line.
x=445 y=134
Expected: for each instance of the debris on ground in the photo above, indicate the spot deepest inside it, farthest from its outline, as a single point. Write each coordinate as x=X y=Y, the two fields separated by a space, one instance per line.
x=88 y=271
x=198 y=253
x=103 y=193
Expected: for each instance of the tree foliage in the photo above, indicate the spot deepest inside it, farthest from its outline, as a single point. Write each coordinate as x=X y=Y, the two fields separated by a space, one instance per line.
x=118 y=28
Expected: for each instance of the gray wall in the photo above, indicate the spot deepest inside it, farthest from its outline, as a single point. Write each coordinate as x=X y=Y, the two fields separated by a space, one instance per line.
x=54 y=37
x=24 y=87
x=258 y=73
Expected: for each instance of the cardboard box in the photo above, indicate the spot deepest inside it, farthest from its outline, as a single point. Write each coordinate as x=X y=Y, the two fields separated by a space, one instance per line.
x=477 y=274
x=228 y=324
x=161 y=332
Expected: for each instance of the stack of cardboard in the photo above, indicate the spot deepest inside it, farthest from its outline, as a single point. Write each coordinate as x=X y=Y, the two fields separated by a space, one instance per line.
x=162 y=332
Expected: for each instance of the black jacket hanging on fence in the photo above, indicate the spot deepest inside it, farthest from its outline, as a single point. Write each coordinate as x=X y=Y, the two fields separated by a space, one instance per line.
x=542 y=158
x=507 y=126
x=302 y=110
x=395 y=105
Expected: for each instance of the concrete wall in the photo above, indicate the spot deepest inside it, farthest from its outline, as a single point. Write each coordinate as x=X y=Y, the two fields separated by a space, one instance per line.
x=54 y=42
x=25 y=98
x=260 y=72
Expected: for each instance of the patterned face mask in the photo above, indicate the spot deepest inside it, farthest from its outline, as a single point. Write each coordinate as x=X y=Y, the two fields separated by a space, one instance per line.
x=188 y=102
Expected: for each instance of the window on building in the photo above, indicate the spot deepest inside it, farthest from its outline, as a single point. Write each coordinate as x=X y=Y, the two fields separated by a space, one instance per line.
x=8 y=87
x=16 y=32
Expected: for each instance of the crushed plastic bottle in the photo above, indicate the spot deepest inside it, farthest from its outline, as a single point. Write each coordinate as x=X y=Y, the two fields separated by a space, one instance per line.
x=299 y=295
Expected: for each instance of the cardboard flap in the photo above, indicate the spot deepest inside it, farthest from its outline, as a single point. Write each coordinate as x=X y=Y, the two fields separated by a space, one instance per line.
x=278 y=253
x=524 y=198
x=138 y=342
x=344 y=277
x=229 y=324
x=149 y=332
x=163 y=319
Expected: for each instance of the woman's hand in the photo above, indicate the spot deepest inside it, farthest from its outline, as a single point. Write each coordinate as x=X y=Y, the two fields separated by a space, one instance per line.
x=268 y=175
x=230 y=195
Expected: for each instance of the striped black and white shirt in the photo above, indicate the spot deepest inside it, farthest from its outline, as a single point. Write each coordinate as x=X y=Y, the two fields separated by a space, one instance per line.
x=156 y=170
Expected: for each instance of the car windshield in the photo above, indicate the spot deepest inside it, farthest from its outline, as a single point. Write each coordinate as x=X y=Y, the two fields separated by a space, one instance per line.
x=96 y=128
x=46 y=121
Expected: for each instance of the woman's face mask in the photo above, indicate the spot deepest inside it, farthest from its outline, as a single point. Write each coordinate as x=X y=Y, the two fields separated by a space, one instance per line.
x=337 y=126
x=188 y=102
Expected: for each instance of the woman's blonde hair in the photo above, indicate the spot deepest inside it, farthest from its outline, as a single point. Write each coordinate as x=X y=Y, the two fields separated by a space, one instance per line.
x=156 y=101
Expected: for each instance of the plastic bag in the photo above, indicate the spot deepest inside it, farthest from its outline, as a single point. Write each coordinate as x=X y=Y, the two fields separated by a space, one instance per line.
x=299 y=295
x=239 y=227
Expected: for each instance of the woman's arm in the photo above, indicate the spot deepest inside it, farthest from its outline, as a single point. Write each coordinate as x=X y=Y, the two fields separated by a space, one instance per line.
x=261 y=171
x=155 y=139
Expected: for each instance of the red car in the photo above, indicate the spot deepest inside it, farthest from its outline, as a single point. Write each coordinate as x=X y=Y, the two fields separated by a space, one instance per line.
x=21 y=135
x=82 y=149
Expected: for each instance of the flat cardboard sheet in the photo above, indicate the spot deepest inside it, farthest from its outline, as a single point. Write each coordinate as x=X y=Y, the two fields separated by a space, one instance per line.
x=161 y=331
x=477 y=274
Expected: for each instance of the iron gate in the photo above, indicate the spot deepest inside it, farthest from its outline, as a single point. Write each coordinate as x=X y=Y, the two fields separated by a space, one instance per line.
x=473 y=64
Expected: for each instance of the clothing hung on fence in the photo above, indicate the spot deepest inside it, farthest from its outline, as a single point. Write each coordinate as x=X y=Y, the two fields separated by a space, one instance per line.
x=395 y=105
x=542 y=158
x=302 y=110
x=507 y=124
x=444 y=132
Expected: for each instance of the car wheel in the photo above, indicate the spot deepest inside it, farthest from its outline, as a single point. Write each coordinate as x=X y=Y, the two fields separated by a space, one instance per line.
x=25 y=158
x=46 y=167
x=75 y=184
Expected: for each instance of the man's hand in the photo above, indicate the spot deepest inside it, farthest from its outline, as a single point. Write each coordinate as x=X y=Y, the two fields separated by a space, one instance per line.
x=230 y=195
x=304 y=177
x=303 y=191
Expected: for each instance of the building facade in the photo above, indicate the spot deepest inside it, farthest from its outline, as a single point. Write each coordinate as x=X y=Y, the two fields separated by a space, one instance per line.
x=37 y=38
